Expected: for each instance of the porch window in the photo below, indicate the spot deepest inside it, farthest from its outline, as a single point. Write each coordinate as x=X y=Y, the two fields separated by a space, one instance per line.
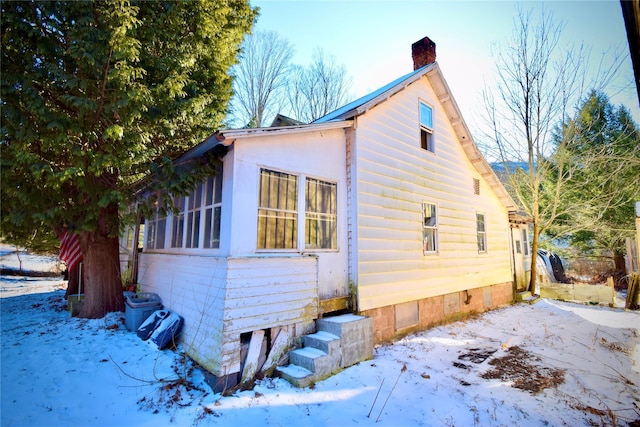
x=212 y=209
x=429 y=228
x=321 y=215
x=156 y=229
x=482 y=234
x=426 y=127
x=194 y=204
x=277 y=210
x=177 y=229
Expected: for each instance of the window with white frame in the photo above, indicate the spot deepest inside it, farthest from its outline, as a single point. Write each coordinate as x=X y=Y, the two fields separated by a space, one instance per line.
x=321 y=215
x=426 y=127
x=195 y=221
x=177 y=226
x=156 y=228
x=194 y=205
x=482 y=233
x=429 y=228
x=212 y=210
x=525 y=241
x=277 y=210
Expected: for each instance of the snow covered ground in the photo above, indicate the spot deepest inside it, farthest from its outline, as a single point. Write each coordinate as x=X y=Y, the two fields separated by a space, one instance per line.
x=552 y=363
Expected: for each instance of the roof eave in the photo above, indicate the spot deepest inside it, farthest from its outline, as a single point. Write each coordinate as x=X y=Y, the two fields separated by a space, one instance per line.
x=233 y=134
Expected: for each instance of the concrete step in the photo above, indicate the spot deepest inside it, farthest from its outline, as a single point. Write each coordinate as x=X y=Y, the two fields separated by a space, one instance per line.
x=526 y=297
x=316 y=361
x=329 y=343
x=356 y=335
x=341 y=341
x=296 y=375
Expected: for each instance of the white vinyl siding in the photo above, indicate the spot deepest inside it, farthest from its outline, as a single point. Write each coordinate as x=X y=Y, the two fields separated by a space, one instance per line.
x=393 y=178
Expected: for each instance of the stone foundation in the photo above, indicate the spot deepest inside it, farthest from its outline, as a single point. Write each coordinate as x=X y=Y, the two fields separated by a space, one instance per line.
x=439 y=310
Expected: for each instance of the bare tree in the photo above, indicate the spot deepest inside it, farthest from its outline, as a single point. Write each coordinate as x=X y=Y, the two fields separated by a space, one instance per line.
x=539 y=85
x=319 y=88
x=260 y=78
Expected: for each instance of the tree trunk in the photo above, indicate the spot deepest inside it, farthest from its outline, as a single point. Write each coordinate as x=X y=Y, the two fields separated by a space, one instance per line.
x=534 y=258
x=73 y=282
x=618 y=259
x=101 y=268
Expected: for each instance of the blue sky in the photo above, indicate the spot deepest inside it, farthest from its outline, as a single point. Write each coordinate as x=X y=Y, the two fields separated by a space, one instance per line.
x=373 y=38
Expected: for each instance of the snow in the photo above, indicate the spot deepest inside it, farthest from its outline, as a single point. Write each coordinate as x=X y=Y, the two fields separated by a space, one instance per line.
x=63 y=371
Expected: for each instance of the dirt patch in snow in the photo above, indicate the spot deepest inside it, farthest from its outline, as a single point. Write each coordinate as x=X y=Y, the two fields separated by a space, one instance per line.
x=523 y=371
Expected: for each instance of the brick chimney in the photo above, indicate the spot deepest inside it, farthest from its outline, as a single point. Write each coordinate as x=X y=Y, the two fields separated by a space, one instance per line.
x=423 y=52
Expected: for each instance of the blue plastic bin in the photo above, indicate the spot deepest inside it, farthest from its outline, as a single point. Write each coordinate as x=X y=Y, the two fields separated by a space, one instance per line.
x=138 y=307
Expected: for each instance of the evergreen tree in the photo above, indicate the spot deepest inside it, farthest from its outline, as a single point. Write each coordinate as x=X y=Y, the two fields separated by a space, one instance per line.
x=94 y=94
x=599 y=197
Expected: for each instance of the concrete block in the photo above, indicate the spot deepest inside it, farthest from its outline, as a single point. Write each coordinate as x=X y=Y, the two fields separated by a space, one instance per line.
x=451 y=304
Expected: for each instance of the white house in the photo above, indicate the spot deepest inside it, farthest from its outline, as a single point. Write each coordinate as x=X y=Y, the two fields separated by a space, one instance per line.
x=384 y=208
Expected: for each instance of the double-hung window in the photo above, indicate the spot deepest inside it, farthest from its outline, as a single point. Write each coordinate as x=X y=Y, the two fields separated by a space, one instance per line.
x=277 y=210
x=482 y=233
x=426 y=127
x=429 y=228
x=321 y=215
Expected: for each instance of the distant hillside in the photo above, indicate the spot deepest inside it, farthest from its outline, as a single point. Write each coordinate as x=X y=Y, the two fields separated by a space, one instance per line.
x=500 y=168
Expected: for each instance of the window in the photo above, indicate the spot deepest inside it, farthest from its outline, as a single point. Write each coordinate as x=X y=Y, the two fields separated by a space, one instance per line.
x=178 y=222
x=277 y=210
x=194 y=204
x=195 y=220
x=320 y=215
x=429 y=228
x=212 y=210
x=482 y=234
x=426 y=127
x=525 y=241
x=156 y=228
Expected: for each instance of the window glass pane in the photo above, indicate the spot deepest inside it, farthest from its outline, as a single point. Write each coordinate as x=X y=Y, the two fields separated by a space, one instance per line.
x=426 y=116
x=480 y=220
x=218 y=186
x=160 y=233
x=215 y=236
x=151 y=235
x=525 y=241
x=213 y=199
x=209 y=188
x=429 y=240
x=429 y=215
